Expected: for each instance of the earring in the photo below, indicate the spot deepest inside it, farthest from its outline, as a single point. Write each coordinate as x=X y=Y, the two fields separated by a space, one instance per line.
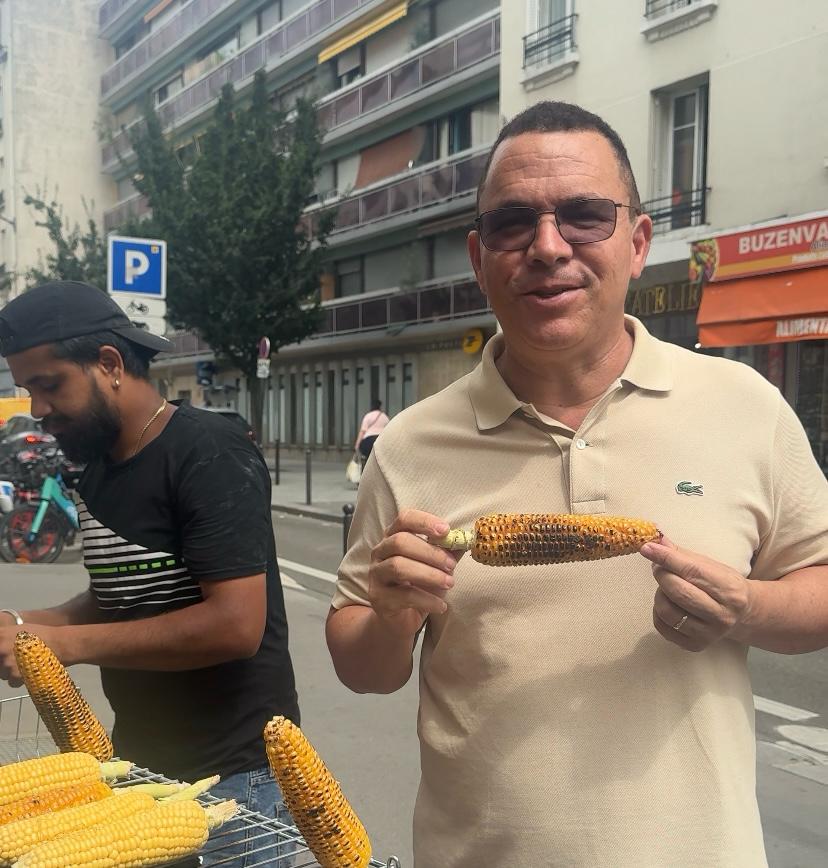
x=117 y=383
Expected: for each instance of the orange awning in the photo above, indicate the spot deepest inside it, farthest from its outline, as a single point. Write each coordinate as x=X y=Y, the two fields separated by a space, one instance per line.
x=772 y=309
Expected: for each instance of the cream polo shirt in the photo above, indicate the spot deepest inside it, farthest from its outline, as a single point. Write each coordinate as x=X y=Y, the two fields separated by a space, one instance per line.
x=557 y=727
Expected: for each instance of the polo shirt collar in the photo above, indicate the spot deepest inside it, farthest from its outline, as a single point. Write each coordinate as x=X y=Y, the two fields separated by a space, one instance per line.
x=493 y=402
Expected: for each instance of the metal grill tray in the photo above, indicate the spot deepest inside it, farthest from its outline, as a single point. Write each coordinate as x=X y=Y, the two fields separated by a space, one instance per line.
x=22 y=737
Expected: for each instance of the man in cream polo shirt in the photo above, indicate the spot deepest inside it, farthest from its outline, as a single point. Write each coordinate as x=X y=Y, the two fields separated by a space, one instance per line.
x=564 y=718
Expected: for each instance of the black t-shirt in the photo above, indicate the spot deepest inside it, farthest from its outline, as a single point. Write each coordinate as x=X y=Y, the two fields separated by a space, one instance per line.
x=192 y=506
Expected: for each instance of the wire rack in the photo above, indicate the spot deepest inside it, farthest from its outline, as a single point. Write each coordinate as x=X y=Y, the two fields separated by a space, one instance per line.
x=263 y=841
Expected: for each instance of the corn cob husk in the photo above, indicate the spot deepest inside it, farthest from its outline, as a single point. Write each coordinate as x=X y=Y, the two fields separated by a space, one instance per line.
x=320 y=810
x=524 y=539
x=54 y=800
x=155 y=836
x=34 y=777
x=67 y=715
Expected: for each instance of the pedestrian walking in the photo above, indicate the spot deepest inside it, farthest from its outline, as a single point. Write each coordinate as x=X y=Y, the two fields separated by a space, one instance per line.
x=372 y=425
x=563 y=718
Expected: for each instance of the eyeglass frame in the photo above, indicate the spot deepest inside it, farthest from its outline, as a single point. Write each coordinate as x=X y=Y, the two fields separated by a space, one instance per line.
x=635 y=209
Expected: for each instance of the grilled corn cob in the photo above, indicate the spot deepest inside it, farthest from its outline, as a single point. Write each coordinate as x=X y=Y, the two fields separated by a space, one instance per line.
x=54 y=800
x=327 y=822
x=37 y=776
x=24 y=835
x=521 y=539
x=67 y=715
x=155 y=836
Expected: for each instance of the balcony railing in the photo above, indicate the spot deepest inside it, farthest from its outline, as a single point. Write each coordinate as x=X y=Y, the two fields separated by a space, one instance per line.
x=186 y=344
x=550 y=43
x=428 y=302
x=413 y=191
x=284 y=38
x=111 y=9
x=433 y=63
x=677 y=211
x=135 y=206
x=657 y=8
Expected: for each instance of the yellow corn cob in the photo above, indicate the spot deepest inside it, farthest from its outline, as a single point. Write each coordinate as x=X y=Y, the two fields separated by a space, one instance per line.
x=67 y=715
x=155 y=836
x=54 y=800
x=520 y=539
x=24 y=835
x=327 y=822
x=37 y=776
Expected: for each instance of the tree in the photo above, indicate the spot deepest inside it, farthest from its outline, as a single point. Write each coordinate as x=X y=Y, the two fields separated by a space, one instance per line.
x=78 y=255
x=242 y=262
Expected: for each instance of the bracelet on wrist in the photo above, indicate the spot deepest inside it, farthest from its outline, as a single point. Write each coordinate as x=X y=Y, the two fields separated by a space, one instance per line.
x=15 y=614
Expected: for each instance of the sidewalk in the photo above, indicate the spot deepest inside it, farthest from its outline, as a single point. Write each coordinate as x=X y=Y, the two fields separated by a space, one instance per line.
x=330 y=490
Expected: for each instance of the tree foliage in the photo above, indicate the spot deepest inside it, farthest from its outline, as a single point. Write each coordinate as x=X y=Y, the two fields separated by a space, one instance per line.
x=79 y=254
x=241 y=263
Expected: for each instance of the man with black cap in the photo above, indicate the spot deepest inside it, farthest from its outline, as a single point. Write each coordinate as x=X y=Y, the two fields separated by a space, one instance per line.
x=184 y=612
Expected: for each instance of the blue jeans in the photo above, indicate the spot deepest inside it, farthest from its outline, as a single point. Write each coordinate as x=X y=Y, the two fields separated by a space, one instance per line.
x=249 y=844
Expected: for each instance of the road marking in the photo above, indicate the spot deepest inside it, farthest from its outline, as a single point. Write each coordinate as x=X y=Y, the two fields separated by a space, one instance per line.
x=813 y=737
x=779 y=709
x=308 y=571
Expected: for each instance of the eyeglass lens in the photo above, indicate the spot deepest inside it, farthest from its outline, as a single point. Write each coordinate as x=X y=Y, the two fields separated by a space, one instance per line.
x=579 y=222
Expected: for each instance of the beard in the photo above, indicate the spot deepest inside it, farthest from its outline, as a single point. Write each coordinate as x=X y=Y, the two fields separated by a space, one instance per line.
x=94 y=436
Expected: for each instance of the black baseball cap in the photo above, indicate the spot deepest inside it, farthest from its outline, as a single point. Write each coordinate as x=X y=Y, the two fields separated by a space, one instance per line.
x=64 y=309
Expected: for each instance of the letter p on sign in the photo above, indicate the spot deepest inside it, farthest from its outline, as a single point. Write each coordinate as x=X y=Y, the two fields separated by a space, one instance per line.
x=136 y=264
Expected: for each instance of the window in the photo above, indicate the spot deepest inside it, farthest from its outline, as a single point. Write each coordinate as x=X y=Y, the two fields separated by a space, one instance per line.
x=350 y=65
x=268 y=16
x=169 y=88
x=549 y=31
x=408 y=384
x=306 y=408
x=318 y=405
x=459 y=130
x=391 y=391
x=680 y=157
x=346 y=403
x=349 y=277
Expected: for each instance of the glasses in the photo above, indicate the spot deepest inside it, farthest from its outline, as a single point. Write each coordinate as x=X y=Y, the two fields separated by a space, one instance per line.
x=580 y=221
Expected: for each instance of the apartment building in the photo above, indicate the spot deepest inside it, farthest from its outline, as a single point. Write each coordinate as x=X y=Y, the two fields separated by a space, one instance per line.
x=722 y=106
x=408 y=95
x=50 y=67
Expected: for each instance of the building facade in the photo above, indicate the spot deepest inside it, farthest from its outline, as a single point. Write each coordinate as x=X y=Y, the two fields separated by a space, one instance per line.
x=722 y=106
x=51 y=60
x=408 y=96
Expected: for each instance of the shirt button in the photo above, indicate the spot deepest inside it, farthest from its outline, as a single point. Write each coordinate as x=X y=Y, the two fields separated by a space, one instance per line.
x=580 y=444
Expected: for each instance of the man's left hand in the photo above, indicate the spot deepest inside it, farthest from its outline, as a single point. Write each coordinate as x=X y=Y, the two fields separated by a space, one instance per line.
x=698 y=600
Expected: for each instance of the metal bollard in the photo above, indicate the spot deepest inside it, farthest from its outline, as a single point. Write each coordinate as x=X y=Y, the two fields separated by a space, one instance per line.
x=308 y=477
x=347 y=518
x=278 y=444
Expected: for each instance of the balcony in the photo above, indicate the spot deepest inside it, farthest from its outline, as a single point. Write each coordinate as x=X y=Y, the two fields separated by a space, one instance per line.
x=135 y=206
x=111 y=10
x=293 y=33
x=678 y=211
x=434 y=301
x=393 y=88
x=411 y=192
x=663 y=18
x=435 y=62
x=550 y=53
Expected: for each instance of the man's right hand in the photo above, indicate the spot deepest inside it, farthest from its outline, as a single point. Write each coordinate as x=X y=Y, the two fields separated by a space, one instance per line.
x=409 y=577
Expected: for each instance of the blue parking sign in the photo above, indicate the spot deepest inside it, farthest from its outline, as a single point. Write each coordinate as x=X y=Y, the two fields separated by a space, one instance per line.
x=137 y=265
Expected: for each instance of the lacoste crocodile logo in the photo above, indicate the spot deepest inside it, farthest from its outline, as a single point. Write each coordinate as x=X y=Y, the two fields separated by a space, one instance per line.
x=689 y=488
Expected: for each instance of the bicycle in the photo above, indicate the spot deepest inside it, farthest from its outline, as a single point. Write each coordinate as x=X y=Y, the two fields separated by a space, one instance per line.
x=37 y=532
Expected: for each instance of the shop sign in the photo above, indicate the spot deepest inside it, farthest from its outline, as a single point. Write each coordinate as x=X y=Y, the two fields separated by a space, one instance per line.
x=668 y=298
x=782 y=247
x=472 y=341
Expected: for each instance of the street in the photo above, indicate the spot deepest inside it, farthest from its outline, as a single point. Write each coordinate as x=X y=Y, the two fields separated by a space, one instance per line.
x=370 y=743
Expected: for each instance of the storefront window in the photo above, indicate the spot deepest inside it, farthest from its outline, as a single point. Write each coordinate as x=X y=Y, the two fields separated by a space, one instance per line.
x=812 y=397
